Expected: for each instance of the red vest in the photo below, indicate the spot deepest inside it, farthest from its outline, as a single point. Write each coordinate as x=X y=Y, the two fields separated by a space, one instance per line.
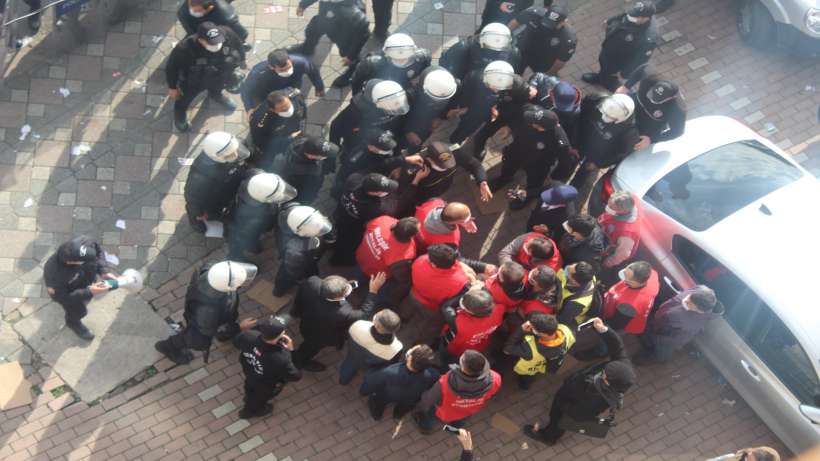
x=455 y=408
x=641 y=299
x=473 y=332
x=499 y=295
x=534 y=305
x=555 y=263
x=426 y=238
x=431 y=285
x=380 y=249
x=615 y=229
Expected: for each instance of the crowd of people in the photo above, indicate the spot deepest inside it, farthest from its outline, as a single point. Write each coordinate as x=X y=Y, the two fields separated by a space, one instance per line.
x=435 y=333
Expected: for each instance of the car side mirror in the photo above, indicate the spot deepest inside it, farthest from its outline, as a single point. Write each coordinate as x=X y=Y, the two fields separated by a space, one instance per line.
x=671 y=284
x=811 y=413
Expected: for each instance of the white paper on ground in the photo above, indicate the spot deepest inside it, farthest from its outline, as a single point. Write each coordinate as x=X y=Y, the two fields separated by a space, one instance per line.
x=80 y=149
x=438 y=5
x=120 y=223
x=24 y=131
x=214 y=229
x=111 y=258
x=65 y=92
x=28 y=203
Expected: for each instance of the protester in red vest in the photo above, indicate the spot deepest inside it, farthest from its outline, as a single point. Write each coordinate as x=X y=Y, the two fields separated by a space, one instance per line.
x=622 y=226
x=388 y=246
x=459 y=394
x=441 y=222
x=627 y=303
x=508 y=285
x=438 y=276
x=531 y=250
x=543 y=292
x=470 y=322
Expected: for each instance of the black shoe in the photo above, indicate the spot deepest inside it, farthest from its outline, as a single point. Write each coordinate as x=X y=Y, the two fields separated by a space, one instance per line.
x=341 y=81
x=591 y=77
x=81 y=330
x=380 y=35
x=529 y=431
x=181 y=124
x=247 y=47
x=180 y=358
x=246 y=413
x=224 y=101
x=313 y=366
x=227 y=332
x=422 y=429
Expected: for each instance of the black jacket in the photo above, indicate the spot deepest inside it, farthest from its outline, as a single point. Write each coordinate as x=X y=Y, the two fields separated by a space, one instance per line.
x=222 y=14
x=68 y=284
x=205 y=308
x=191 y=63
x=304 y=174
x=552 y=217
x=437 y=183
x=467 y=55
x=266 y=124
x=542 y=46
x=261 y=80
x=247 y=219
x=211 y=186
x=589 y=249
x=504 y=11
x=604 y=144
x=626 y=45
x=361 y=114
x=423 y=110
x=264 y=363
x=378 y=66
x=298 y=255
x=324 y=321
x=396 y=383
x=479 y=100
x=345 y=24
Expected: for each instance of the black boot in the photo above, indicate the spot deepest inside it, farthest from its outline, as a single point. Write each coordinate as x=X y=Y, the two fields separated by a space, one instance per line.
x=247 y=413
x=181 y=122
x=312 y=366
x=81 y=330
x=224 y=101
x=176 y=356
x=344 y=79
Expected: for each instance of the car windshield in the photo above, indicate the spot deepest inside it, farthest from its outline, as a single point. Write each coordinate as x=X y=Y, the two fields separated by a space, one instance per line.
x=714 y=185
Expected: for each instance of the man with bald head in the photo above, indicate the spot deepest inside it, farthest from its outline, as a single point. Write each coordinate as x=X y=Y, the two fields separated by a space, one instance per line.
x=441 y=222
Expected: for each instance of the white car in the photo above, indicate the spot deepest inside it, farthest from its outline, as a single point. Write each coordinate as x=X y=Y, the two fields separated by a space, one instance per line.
x=725 y=207
x=792 y=25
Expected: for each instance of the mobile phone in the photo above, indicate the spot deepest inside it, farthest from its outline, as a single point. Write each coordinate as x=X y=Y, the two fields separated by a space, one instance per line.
x=450 y=429
x=354 y=284
x=586 y=324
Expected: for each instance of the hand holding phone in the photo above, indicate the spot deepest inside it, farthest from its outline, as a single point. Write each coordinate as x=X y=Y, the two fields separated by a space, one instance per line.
x=450 y=429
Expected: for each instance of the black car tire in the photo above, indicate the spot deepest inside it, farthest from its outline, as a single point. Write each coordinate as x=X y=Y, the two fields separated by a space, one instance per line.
x=755 y=24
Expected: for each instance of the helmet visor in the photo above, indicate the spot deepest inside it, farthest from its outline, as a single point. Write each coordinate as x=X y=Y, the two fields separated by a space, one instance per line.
x=283 y=192
x=498 y=81
x=394 y=104
x=494 y=41
x=239 y=274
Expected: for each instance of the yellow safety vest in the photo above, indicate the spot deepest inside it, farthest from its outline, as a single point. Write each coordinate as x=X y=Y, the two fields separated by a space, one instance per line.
x=538 y=363
x=585 y=299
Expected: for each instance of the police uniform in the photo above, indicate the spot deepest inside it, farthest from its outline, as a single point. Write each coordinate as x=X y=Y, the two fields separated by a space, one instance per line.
x=266 y=125
x=479 y=100
x=660 y=111
x=222 y=14
x=467 y=55
x=246 y=221
x=504 y=11
x=298 y=256
x=542 y=43
x=192 y=69
x=361 y=160
x=440 y=179
x=361 y=113
x=344 y=22
x=261 y=80
x=304 y=174
x=424 y=110
x=206 y=310
x=379 y=66
x=210 y=188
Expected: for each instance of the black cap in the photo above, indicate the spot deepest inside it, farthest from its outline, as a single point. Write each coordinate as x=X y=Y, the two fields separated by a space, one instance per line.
x=642 y=9
x=272 y=327
x=375 y=182
x=556 y=14
x=381 y=139
x=620 y=375
x=662 y=91
x=439 y=155
x=537 y=115
x=318 y=146
x=211 y=33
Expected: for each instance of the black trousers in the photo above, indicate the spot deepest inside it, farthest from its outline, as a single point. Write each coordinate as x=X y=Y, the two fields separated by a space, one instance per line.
x=189 y=91
x=609 y=75
x=552 y=432
x=378 y=403
x=74 y=311
x=307 y=351
x=258 y=394
x=316 y=28
x=349 y=233
x=514 y=159
x=382 y=12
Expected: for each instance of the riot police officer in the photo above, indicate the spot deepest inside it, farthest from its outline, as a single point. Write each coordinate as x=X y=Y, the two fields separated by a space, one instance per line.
x=192 y=13
x=473 y=53
x=548 y=41
x=214 y=178
x=430 y=98
x=504 y=11
x=300 y=247
x=630 y=39
x=400 y=61
x=379 y=105
x=304 y=165
x=211 y=304
x=375 y=154
x=660 y=111
x=282 y=114
x=205 y=61
x=254 y=212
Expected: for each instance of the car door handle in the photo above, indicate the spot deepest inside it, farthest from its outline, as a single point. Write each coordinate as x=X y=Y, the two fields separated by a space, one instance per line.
x=751 y=370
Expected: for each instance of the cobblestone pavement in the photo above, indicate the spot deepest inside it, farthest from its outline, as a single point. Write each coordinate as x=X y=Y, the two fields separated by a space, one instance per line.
x=104 y=151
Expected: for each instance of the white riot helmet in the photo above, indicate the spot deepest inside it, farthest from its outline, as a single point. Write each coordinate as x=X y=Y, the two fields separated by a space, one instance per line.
x=439 y=84
x=227 y=276
x=307 y=221
x=616 y=108
x=390 y=97
x=223 y=147
x=270 y=188
x=399 y=49
x=495 y=36
x=499 y=76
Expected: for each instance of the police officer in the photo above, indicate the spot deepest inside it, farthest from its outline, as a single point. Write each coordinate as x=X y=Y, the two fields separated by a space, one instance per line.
x=375 y=154
x=214 y=178
x=254 y=212
x=205 y=61
x=282 y=114
x=400 y=61
x=265 y=355
x=431 y=96
x=504 y=11
x=629 y=41
x=343 y=21
x=211 y=304
x=304 y=166
x=280 y=71
x=548 y=42
x=192 y=13
x=493 y=43
x=537 y=144
x=300 y=247
x=606 y=135
x=379 y=105
x=660 y=111
x=70 y=275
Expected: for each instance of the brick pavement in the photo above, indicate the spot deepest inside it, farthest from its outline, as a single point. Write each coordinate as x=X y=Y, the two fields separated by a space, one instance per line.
x=107 y=152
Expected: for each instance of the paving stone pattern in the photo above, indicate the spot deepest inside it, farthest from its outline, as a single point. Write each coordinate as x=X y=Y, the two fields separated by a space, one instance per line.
x=107 y=152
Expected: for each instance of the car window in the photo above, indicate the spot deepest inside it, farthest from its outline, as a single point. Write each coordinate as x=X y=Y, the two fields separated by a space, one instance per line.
x=714 y=185
x=777 y=347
